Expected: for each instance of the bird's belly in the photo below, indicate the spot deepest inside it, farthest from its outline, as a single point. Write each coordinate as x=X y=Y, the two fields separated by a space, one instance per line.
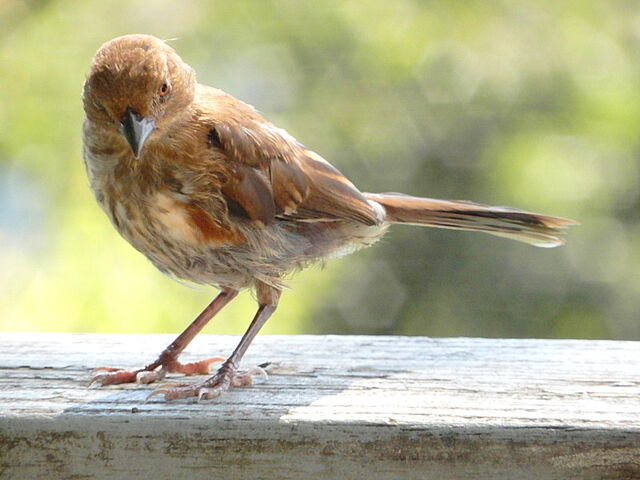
x=175 y=244
x=183 y=245
x=177 y=256
x=184 y=242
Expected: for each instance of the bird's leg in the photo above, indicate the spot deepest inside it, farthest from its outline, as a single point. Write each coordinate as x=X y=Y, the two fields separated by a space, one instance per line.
x=228 y=374
x=167 y=361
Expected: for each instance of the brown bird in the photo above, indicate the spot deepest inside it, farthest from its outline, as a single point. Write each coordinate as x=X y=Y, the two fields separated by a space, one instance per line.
x=211 y=192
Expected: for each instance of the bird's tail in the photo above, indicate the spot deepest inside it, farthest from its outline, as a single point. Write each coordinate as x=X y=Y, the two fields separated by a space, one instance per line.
x=532 y=228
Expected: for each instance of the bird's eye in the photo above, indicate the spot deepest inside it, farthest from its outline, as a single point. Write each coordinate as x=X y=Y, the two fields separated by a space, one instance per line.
x=164 y=89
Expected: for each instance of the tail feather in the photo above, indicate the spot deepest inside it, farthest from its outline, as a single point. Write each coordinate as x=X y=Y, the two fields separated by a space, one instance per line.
x=532 y=228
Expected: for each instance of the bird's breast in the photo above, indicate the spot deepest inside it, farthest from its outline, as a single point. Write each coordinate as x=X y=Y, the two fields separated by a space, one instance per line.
x=188 y=223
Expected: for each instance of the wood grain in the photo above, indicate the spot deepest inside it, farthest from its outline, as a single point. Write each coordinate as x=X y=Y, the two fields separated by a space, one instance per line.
x=341 y=407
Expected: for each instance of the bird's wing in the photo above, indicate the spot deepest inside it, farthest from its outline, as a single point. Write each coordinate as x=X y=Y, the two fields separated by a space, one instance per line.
x=274 y=176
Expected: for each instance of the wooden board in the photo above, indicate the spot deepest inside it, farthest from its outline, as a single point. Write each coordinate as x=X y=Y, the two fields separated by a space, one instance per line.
x=343 y=407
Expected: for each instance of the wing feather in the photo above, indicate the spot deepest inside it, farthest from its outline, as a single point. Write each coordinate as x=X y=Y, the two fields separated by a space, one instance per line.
x=274 y=176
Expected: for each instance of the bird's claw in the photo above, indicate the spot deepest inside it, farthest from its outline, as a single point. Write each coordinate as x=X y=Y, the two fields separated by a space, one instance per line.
x=194 y=368
x=149 y=376
x=114 y=376
x=210 y=388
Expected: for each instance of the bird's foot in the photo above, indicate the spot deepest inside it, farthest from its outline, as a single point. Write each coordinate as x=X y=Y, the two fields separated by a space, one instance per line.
x=227 y=376
x=151 y=373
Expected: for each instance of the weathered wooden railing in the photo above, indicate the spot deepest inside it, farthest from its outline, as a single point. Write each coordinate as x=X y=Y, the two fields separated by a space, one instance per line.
x=334 y=407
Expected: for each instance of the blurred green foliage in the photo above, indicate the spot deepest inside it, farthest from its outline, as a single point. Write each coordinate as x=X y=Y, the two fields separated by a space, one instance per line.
x=530 y=104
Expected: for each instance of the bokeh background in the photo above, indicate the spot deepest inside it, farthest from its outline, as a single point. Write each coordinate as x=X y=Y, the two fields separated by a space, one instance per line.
x=530 y=104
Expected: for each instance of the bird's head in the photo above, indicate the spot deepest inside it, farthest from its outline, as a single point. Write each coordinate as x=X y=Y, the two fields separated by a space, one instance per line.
x=137 y=85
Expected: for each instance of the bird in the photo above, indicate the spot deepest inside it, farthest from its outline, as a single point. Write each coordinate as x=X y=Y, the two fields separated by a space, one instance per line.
x=213 y=193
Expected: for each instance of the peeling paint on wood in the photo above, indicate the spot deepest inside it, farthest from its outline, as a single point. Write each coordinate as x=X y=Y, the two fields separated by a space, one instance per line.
x=334 y=407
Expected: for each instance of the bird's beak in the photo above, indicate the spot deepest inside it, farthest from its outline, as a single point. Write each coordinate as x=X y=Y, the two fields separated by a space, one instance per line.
x=136 y=129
